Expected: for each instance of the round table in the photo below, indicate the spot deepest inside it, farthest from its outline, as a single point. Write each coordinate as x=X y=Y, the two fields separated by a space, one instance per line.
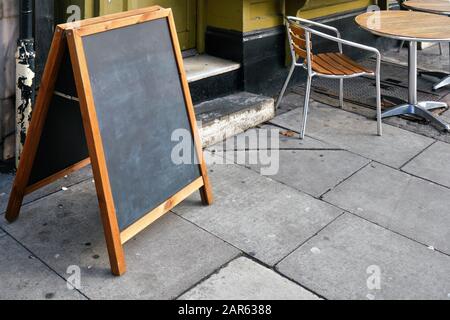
x=413 y=27
x=431 y=6
x=438 y=7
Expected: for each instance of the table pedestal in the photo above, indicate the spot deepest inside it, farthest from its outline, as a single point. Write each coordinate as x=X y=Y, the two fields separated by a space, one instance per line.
x=413 y=106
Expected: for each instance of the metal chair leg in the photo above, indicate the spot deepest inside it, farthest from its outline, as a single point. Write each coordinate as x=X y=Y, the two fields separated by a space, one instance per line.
x=341 y=93
x=306 y=107
x=379 y=117
x=283 y=91
x=402 y=44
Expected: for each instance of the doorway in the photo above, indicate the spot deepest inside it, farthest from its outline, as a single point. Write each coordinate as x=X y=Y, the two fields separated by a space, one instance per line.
x=184 y=11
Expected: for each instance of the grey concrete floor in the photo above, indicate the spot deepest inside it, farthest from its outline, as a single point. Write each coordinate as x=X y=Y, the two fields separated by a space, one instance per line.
x=343 y=214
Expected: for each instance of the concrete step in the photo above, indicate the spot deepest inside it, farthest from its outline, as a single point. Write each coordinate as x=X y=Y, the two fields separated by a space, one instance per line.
x=210 y=77
x=225 y=117
x=204 y=66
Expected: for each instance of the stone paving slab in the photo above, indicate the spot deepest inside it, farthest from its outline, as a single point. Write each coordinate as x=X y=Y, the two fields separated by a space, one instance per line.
x=23 y=276
x=165 y=260
x=244 y=279
x=350 y=253
x=398 y=201
x=309 y=165
x=433 y=164
x=262 y=137
x=262 y=217
x=313 y=172
x=7 y=181
x=357 y=134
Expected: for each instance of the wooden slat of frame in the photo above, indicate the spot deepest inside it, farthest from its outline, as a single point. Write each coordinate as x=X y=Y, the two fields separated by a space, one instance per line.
x=349 y=69
x=59 y=175
x=297 y=30
x=318 y=68
x=347 y=61
x=206 y=190
x=301 y=43
x=122 y=22
x=299 y=51
x=96 y=152
x=325 y=61
x=91 y=21
x=37 y=124
x=160 y=211
x=322 y=67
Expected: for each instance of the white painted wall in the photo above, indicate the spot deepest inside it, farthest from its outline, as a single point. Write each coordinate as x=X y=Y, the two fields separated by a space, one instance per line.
x=9 y=26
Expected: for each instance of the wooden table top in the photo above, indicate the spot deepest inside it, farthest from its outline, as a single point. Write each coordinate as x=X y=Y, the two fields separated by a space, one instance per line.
x=406 y=25
x=432 y=6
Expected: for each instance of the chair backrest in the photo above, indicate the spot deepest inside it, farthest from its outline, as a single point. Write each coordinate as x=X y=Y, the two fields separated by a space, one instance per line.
x=298 y=43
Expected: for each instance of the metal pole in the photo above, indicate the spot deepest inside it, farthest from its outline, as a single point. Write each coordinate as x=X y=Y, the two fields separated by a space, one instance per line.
x=25 y=75
x=412 y=56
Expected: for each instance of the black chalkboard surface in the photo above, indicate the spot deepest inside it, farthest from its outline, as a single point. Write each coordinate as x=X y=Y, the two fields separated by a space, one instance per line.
x=62 y=141
x=140 y=103
x=114 y=94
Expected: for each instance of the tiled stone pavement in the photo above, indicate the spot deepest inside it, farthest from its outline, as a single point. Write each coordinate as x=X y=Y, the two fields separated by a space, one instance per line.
x=258 y=215
x=23 y=276
x=244 y=279
x=339 y=261
x=357 y=134
x=345 y=207
x=410 y=206
x=432 y=164
x=64 y=229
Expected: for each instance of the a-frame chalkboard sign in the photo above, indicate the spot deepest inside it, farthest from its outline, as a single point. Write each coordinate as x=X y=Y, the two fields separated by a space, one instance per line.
x=113 y=94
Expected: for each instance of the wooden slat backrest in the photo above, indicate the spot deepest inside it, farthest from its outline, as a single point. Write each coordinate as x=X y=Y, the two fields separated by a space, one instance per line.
x=298 y=37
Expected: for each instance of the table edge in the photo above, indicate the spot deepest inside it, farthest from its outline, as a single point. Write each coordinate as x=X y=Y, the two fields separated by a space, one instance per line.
x=397 y=37
x=442 y=13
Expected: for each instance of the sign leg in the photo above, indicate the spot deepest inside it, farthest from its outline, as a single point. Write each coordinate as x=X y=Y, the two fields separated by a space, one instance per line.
x=15 y=202
x=37 y=124
x=206 y=191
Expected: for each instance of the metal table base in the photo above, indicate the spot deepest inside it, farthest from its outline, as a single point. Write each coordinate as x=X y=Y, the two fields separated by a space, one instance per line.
x=422 y=109
x=414 y=107
x=444 y=77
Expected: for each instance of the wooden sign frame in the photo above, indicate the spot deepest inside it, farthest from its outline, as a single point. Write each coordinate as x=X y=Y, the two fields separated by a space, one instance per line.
x=73 y=33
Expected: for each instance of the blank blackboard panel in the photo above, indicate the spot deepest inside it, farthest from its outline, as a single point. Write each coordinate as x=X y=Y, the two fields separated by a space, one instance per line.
x=63 y=141
x=66 y=81
x=139 y=103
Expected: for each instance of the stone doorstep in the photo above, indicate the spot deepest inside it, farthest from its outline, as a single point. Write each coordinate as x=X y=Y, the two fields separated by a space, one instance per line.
x=225 y=117
x=204 y=66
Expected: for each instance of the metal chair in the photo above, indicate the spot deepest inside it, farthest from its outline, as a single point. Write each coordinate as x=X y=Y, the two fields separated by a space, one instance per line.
x=334 y=65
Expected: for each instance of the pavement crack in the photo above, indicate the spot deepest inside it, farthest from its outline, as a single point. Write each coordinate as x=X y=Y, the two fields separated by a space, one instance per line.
x=41 y=261
x=421 y=152
x=344 y=180
x=308 y=239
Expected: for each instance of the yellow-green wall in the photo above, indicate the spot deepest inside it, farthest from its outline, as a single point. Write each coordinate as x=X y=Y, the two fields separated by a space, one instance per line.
x=318 y=8
x=238 y=15
x=251 y=15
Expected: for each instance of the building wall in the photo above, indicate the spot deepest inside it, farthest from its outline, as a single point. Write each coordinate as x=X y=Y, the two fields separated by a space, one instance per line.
x=9 y=26
x=311 y=9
